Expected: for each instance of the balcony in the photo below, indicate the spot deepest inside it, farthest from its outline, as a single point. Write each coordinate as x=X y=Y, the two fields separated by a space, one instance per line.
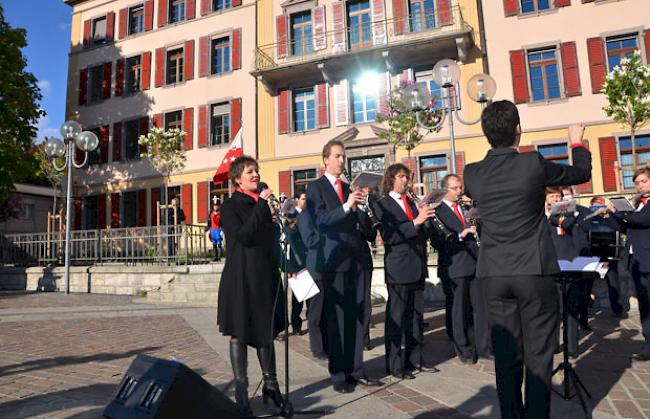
x=391 y=44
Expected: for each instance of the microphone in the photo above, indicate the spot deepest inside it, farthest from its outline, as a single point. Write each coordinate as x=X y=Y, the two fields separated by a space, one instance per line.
x=273 y=201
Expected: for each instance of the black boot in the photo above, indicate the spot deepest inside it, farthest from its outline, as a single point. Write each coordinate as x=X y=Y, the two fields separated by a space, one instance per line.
x=271 y=389
x=215 y=250
x=239 y=361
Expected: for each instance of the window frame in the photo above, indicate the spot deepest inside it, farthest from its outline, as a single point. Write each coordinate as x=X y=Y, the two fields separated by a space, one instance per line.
x=294 y=103
x=131 y=11
x=628 y=151
x=536 y=8
x=178 y=51
x=171 y=18
x=95 y=94
x=211 y=127
x=127 y=75
x=362 y=26
x=307 y=43
x=621 y=52
x=351 y=96
x=93 y=38
x=124 y=153
x=422 y=18
x=130 y=208
x=226 y=46
x=96 y=153
x=87 y=212
x=543 y=63
x=214 y=5
x=422 y=170
x=555 y=157
x=302 y=183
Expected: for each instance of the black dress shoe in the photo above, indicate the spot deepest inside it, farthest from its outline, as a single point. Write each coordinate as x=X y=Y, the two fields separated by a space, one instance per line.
x=425 y=367
x=342 y=388
x=298 y=332
x=369 y=382
x=469 y=360
x=322 y=356
x=367 y=347
x=406 y=375
x=641 y=357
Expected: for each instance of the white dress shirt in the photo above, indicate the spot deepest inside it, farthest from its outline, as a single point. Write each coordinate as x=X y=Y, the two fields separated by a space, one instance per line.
x=332 y=179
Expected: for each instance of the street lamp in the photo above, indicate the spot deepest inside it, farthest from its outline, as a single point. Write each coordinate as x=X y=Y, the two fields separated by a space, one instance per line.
x=55 y=148
x=446 y=73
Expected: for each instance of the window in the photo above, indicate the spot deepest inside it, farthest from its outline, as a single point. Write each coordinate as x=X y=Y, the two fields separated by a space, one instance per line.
x=619 y=48
x=432 y=170
x=301 y=34
x=133 y=74
x=220 y=124
x=220 y=55
x=360 y=29
x=91 y=212
x=373 y=164
x=365 y=92
x=136 y=19
x=219 y=5
x=220 y=191
x=175 y=66
x=421 y=15
x=304 y=110
x=173 y=192
x=174 y=120
x=27 y=212
x=642 y=151
x=131 y=135
x=99 y=30
x=530 y=6
x=94 y=157
x=301 y=178
x=544 y=77
x=129 y=209
x=557 y=153
x=176 y=11
x=95 y=84
x=426 y=78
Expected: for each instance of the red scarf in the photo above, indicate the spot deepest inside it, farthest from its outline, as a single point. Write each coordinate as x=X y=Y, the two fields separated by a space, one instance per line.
x=253 y=195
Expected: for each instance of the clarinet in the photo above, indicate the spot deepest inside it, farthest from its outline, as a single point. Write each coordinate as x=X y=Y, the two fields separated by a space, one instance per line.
x=374 y=221
x=432 y=222
x=471 y=217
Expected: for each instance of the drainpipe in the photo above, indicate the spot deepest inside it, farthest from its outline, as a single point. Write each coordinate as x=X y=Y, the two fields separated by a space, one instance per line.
x=481 y=25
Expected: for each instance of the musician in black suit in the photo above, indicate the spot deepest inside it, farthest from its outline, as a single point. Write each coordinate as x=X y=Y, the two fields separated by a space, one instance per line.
x=636 y=224
x=405 y=267
x=457 y=265
x=344 y=262
x=517 y=262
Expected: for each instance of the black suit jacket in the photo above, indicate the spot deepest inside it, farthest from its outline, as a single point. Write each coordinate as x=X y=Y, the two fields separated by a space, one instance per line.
x=456 y=258
x=637 y=227
x=343 y=236
x=581 y=232
x=565 y=244
x=405 y=257
x=311 y=240
x=508 y=188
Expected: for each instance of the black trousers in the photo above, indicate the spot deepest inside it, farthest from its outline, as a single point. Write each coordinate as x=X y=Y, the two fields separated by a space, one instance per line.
x=316 y=321
x=345 y=309
x=642 y=286
x=367 y=313
x=574 y=295
x=468 y=297
x=296 y=310
x=618 y=300
x=523 y=314
x=448 y=290
x=403 y=326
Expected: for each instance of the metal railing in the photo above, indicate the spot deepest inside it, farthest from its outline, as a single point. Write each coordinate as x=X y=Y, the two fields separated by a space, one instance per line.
x=180 y=244
x=395 y=31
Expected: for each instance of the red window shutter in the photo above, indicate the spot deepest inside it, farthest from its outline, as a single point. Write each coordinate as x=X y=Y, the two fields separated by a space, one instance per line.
x=460 y=163
x=284 y=178
x=236 y=3
x=410 y=163
x=188 y=127
x=158 y=120
x=143 y=130
x=511 y=7
x=202 y=201
x=236 y=49
x=160 y=66
x=519 y=76
x=77 y=214
x=323 y=108
x=204 y=56
x=399 y=14
x=191 y=9
x=148 y=15
x=142 y=207
x=235 y=117
x=189 y=60
x=78 y=155
x=646 y=40
x=162 y=13
x=383 y=93
x=106 y=83
x=526 y=148
x=597 y=69
x=101 y=211
x=110 y=26
x=587 y=1
x=570 y=69
x=338 y=26
x=119 y=77
x=103 y=144
x=444 y=12
x=187 y=202
x=155 y=199
x=115 y=210
x=283 y=112
x=203 y=126
x=320 y=37
x=281 y=28
x=87 y=32
x=117 y=141
x=124 y=17
x=562 y=3
x=586 y=187
x=83 y=86
x=608 y=160
x=145 y=84
x=205 y=7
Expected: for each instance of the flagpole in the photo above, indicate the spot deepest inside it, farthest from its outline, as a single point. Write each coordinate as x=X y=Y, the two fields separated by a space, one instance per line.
x=241 y=145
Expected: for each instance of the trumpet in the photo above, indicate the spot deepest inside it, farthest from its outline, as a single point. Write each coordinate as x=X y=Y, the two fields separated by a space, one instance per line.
x=374 y=221
x=433 y=222
x=471 y=218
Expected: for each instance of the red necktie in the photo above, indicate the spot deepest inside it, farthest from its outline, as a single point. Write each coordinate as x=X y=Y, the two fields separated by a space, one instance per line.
x=457 y=211
x=644 y=200
x=407 y=209
x=339 y=190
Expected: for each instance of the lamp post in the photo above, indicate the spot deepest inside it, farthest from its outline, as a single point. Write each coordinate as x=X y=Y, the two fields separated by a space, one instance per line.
x=446 y=73
x=55 y=149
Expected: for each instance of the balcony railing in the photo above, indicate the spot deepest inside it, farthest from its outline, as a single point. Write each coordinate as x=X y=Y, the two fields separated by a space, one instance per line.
x=182 y=244
x=374 y=35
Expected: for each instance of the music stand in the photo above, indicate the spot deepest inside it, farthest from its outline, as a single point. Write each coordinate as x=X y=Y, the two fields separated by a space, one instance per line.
x=571 y=378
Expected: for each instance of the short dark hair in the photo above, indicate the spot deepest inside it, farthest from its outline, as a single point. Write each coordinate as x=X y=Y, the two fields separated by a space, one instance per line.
x=445 y=180
x=552 y=189
x=238 y=165
x=641 y=171
x=297 y=196
x=388 y=180
x=499 y=122
x=327 y=148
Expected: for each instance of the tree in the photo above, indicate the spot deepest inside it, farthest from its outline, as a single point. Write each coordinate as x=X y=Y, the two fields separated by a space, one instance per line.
x=49 y=172
x=627 y=89
x=19 y=109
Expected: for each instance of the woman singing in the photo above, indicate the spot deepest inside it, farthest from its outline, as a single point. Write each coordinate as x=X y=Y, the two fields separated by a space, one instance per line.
x=250 y=301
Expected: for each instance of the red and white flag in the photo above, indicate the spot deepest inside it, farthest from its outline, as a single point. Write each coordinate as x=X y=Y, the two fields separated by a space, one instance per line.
x=233 y=152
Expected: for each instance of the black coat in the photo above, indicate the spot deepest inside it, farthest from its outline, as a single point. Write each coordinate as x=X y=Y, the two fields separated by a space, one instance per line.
x=311 y=240
x=508 y=189
x=565 y=244
x=456 y=258
x=581 y=231
x=405 y=257
x=298 y=250
x=250 y=282
x=637 y=227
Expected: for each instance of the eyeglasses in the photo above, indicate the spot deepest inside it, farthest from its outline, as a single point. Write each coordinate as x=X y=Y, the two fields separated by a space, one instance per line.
x=456 y=188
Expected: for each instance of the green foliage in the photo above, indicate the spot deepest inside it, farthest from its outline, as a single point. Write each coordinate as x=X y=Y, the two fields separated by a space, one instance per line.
x=165 y=149
x=19 y=110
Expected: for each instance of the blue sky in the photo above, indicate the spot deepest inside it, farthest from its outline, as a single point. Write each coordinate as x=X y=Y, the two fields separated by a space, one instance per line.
x=48 y=42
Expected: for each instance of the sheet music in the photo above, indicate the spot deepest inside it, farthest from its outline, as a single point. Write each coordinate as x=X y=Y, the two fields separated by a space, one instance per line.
x=622 y=204
x=303 y=286
x=563 y=206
